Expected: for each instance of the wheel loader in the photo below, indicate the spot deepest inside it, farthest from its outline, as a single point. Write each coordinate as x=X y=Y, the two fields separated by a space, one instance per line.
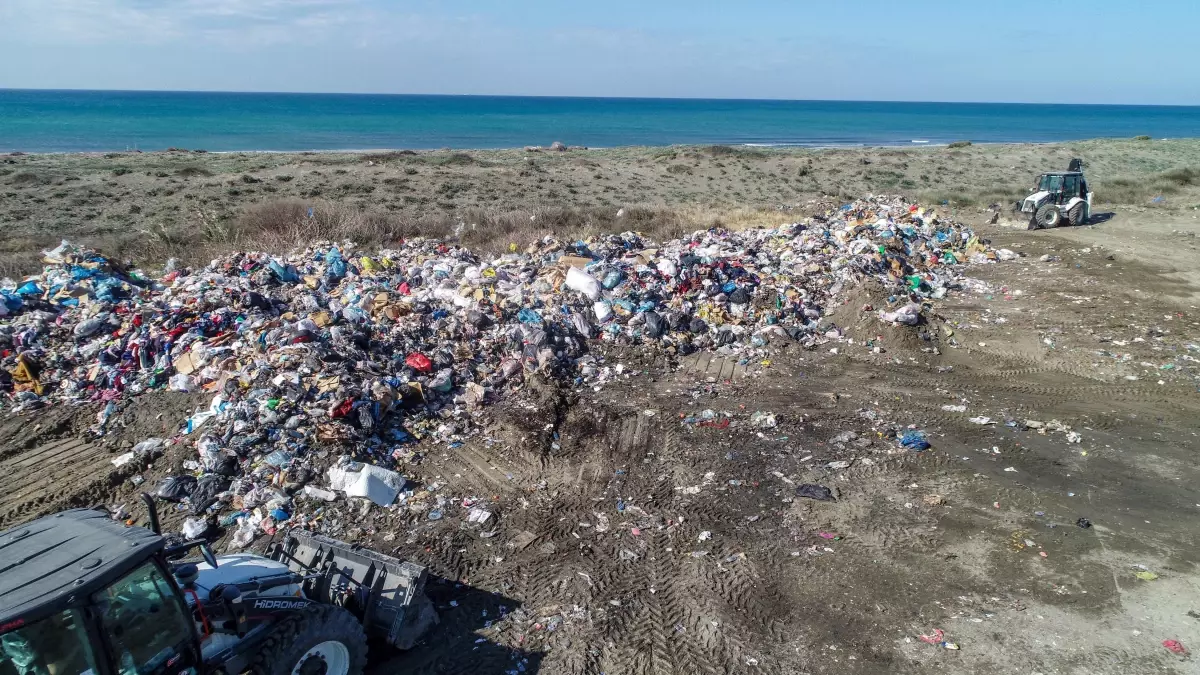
x=82 y=594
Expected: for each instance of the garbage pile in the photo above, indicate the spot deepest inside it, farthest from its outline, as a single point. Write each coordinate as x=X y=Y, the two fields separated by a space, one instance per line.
x=364 y=354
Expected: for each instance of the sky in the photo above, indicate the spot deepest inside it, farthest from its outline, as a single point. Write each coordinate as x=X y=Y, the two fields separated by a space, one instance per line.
x=1040 y=51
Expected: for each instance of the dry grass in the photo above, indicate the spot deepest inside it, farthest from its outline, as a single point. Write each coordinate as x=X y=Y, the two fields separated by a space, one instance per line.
x=283 y=225
x=1128 y=190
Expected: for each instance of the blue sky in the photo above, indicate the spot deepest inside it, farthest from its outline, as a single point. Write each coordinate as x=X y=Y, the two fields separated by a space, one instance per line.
x=1080 y=51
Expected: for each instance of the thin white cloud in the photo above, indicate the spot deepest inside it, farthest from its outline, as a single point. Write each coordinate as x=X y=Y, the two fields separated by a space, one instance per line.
x=241 y=22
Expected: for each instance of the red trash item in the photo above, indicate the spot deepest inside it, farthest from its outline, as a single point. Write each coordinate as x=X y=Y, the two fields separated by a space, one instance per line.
x=938 y=636
x=342 y=409
x=1175 y=646
x=404 y=289
x=419 y=362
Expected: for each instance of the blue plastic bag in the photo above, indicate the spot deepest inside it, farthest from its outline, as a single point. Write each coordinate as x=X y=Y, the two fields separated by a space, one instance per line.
x=284 y=274
x=914 y=440
x=336 y=265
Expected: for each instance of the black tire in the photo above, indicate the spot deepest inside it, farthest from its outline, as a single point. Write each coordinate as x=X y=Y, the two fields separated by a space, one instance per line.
x=283 y=649
x=1048 y=216
x=1075 y=214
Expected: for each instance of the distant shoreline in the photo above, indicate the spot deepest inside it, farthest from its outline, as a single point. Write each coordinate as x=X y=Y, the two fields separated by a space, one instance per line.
x=769 y=147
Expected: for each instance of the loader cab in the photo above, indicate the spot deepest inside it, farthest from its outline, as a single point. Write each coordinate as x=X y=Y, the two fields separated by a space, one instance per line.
x=1062 y=186
x=83 y=595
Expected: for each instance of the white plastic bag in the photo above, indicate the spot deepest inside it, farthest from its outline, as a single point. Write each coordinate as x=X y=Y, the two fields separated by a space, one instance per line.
x=375 y=483
x=193 y=528
x=578 y=280
x=148 y=446
x=909 y=315
x=181 y=382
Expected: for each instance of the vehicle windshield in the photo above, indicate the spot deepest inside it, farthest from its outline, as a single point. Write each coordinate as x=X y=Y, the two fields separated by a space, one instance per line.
x=54 y=646
x=144 y=621
x=1050 y=183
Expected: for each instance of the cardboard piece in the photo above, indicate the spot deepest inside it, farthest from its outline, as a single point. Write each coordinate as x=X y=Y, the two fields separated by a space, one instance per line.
x=185 y=364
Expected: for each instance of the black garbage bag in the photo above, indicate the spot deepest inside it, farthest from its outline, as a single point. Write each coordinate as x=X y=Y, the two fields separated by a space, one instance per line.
x=250 y=299
x=226 y=466
x=175 y=488
x=478 y=319
x=677 y=321
x=655 y=326
x=817 y=492
x=739 y=297
x=206 y=491
x=698 y=326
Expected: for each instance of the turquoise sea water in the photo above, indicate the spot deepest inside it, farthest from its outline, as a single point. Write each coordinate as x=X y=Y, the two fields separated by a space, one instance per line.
x=69 y=121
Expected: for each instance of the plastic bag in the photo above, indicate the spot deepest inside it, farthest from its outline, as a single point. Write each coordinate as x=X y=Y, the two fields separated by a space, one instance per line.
x=581 y=324
x=914 y=440
x=244 y=535
x=175 y=488
x=375 y=483
x=817 y=492
x=181 y=382
x=285 y=274
x=655 y=326
x=335 y=267
x=149 y=446
x=603 y=311
x=206 y=491
x=578 y=280
x=279 y=458
x=419 y=362
x=194 y=528
x=909 y=315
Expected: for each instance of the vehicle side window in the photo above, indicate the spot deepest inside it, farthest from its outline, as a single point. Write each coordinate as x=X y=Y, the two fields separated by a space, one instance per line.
x=143 y=621
x=57 y=645
x=1071 y=186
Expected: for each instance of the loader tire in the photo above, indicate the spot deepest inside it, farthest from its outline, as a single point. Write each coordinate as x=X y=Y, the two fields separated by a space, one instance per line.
x=1075 y=214
x=1048 y=215
x=319 y=640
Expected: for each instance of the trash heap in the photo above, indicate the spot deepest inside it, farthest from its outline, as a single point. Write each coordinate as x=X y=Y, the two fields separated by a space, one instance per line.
x=364 y=354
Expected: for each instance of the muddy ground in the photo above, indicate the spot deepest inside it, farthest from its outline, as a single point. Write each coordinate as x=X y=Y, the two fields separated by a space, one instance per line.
x=627 y=539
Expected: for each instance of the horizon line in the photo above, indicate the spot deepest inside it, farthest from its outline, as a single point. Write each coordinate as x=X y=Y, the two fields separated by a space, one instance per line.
x=557 y=96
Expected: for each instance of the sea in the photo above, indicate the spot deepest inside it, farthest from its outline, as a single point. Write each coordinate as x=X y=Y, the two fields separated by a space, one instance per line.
x=101 y=121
